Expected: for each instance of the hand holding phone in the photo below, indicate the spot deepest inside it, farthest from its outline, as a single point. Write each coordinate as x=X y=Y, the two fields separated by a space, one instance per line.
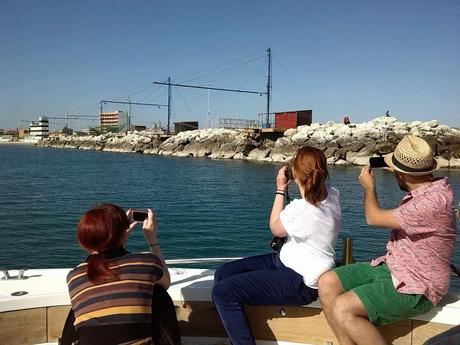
x=288 y=173
x=139 y=215
x=377 y=162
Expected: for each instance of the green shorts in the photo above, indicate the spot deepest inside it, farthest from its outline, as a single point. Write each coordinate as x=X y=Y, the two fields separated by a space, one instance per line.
x=374 y=287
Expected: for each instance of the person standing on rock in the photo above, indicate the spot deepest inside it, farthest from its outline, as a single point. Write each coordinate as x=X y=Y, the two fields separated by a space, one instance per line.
x=385 y=128
x=414 y=274
x=289 y=277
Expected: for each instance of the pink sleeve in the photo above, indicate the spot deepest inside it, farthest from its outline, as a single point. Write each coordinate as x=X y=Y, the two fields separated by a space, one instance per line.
x=419 y=216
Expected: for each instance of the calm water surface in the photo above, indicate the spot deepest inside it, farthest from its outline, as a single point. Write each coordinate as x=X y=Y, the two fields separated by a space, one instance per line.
x=205 y=208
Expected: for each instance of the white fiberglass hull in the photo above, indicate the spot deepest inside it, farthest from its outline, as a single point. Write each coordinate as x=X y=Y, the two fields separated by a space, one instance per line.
x=33 y=311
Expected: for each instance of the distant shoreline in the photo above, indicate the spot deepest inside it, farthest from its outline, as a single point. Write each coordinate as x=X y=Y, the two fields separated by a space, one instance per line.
x=17 y=143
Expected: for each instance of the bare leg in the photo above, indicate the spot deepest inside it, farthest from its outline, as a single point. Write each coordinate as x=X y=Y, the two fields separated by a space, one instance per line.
x=329 y=290
x=350 y=318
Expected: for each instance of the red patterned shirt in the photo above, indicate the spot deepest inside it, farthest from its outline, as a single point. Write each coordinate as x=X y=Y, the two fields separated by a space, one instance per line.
x=418 y=254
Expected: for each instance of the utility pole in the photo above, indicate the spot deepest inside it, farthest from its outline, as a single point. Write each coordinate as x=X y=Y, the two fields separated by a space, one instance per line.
x=269 y=85
x=209 y=106
x=129 y=115
x=169 y=105
x=100 y=119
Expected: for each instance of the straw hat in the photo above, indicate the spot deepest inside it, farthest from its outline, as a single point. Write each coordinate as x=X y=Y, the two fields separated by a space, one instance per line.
x=412 y=156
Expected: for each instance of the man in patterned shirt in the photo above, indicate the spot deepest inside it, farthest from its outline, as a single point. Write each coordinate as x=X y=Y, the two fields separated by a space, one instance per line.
x=414 y=273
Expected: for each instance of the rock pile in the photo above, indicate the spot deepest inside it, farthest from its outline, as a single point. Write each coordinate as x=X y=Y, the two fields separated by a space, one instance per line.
x=342 y=144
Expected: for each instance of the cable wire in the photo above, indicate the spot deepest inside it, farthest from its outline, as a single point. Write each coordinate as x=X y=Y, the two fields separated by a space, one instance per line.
x=292 y=80
x=223 y=71
x=220 y=65
x=186 y=105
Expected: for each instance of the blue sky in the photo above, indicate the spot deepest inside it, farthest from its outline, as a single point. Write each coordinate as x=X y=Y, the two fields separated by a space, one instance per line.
x=359 y=58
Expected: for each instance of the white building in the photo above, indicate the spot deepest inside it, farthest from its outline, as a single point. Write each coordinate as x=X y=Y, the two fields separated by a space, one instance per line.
x=39 y=129
x=115 y=121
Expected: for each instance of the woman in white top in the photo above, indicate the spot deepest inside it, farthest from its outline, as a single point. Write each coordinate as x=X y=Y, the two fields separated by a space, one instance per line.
x=310 y=226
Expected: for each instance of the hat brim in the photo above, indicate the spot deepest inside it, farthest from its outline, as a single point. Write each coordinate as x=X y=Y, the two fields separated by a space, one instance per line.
x=389 y=160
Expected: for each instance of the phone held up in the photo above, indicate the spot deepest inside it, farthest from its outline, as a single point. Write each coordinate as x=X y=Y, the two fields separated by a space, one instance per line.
x=139 y=215
x=377 y=162
x=288 y=173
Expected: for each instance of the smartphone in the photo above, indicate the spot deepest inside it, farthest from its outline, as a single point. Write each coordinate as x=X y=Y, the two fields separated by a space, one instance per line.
x=139 y=216
x=377 y=162
x=288 y=173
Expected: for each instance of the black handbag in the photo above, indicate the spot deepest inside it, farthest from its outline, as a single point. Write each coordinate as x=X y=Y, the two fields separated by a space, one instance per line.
x=276 y=243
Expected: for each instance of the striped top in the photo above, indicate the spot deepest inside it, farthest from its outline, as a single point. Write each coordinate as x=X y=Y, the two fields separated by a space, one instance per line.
x=124 y=301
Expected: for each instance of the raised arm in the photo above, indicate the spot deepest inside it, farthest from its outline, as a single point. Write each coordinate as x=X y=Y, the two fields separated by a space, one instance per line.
x=375 y=215
x=276 y=226
x=149 y=229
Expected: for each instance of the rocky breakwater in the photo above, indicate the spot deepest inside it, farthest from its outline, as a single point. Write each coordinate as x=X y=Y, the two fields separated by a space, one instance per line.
x=342 y=144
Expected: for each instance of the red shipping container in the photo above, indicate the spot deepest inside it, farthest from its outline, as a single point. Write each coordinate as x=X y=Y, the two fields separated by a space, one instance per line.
x=292 y=119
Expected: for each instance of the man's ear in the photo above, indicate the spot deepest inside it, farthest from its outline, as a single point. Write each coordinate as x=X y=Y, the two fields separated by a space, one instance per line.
x=400 y=176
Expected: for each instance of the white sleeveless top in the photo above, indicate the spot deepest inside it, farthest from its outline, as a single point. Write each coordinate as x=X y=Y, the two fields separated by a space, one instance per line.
x=312 y=234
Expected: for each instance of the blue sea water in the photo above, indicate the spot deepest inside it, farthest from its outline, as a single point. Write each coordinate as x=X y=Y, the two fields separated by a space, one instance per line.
x=205 y=208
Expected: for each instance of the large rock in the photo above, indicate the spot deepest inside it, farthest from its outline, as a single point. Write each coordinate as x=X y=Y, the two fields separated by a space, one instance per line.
x=442 y=162
x=290 y=132
x=239 y=155
x=330 y=151
x=355 y=159
x=414 y=124
x=344 y=140
x=450 y=137
x=153 y=151
x=341 y=162
x=279 y=157
x=454 y=151
x=384 y=147
x=429 y=124
x=300 y=138
x=454 y=163
x=284 y=141
x=288 y=151
x=258 y=154
x=331 y=160
x=367 y=150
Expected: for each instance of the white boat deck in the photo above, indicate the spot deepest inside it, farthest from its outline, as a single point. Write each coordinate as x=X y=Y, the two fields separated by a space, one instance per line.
x=47 y=287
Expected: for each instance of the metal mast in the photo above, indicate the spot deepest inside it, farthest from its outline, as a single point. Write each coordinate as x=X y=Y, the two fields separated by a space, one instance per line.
x=100 y=119
x=169 y=104
x=269 y=85
x=209 y=106
x=129 y=115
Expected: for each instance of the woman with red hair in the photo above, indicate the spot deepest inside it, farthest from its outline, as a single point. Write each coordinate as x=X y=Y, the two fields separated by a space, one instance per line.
x=112 y=292
x=310 y=226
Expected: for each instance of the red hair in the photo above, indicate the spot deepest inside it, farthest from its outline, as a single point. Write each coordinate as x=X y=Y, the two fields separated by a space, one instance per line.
x=310 y=169
x=99 y=229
